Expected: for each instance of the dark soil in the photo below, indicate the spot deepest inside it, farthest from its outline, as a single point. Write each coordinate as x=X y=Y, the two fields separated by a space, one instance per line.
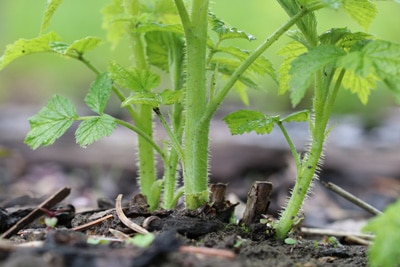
x=176 y=234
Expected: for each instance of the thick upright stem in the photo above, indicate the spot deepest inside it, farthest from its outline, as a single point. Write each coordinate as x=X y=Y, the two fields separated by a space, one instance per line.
x=195 y=162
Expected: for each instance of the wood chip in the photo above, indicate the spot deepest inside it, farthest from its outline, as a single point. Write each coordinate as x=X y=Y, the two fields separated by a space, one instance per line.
x=38 y=211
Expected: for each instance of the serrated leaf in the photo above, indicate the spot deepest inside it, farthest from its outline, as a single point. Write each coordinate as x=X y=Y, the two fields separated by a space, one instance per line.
x=305 y=67
x=151 y=27
x=143 y=98
x=78 y=47
x=290 y=51
x=27 y=46
x=224 y=32
x=381 y=58
x=300 y=116
x=169 y=97
x=362 y=11
x=51 y=7
x=133 y=79
x=99 y=93
x=83 y=45
x=260 y=66
x=245 y=121
x=359 y=85
x=94 y=129
x=227 y=66
x=344 y=38
x=385 y=250
x=51 y=122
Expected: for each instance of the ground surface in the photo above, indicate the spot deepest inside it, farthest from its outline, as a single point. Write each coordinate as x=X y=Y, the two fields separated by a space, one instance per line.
x=367 y=163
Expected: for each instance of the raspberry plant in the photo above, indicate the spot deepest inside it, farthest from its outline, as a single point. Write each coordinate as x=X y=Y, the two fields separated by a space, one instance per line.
x=187 y=41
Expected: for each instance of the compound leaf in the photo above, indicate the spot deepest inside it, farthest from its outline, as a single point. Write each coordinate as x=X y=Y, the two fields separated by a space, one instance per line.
x=51 y=122
x=95 y=128
x=99 y=93
x=27 y=46
x=245 y=121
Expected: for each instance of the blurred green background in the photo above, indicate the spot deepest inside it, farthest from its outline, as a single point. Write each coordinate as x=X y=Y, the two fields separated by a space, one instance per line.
x=33 y=79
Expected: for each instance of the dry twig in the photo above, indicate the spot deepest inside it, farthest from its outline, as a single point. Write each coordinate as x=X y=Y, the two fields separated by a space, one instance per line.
x=125 y=220
x=92 y=223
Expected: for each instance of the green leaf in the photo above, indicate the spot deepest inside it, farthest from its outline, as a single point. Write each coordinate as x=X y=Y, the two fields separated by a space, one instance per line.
x=51 y=122
x=245 y=121
x=78 y=47
x=290 y=52
x=99 y=93
x=133 y=79
x=141 y=241
x=385 y=249
x=227 y=66
x=308 y=24
x=27 y=46
x=307 y=65
x=343 y=38
x=378 y=58
x=359 y=85
x=94 y=128
x=300 y=116
x=224 y=32
x=362 y=11
x=260 y=66
x=151 y=27
x=143 y=98
x=51 y=7
x=167 y=97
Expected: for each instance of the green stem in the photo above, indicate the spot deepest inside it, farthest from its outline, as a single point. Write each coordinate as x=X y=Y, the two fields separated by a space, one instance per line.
x=213 y=105
x=309 y=166
x=143 y=135
x=292 y=147
x=195 y=161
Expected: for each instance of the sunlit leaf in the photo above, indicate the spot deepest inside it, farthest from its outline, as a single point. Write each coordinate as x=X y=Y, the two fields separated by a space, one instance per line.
x=300 y=116
x=362 y=11
x=143 y=98
x=290 y=52
x=224 y=32
x=385 y=249
x=260 y=66
x=99 y=93
x=151 y=27
x=94 y=129
x=28 y=46
x=167 y=97
x=305 y=67
x=51 y=7
x=361 y=86
x=245 y=121
x=133 y=79
x=51 y=122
